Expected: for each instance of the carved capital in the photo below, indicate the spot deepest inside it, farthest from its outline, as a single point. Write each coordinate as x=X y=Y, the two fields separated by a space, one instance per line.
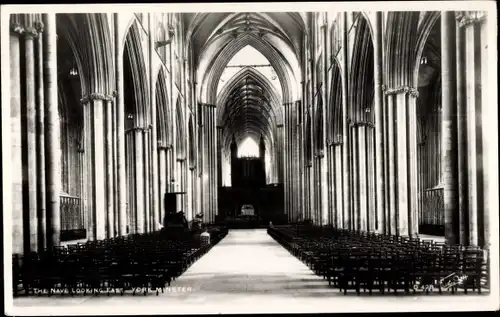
x=403 y=89
x=17 y=28
x=364 y=124
x=338 y=143
x=39 y=26
x=30 y=33
x=465 y=18
x=136 y=129
x=96 y=96
x=192 y=168
x=279 y=126
x=171 y=30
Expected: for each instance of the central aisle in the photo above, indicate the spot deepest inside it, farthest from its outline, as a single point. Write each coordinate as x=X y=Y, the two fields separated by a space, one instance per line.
x=247 y=272
x=250 y=263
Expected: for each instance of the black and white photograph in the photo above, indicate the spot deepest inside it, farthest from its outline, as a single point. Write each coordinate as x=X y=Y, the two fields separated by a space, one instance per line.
x=244 y=158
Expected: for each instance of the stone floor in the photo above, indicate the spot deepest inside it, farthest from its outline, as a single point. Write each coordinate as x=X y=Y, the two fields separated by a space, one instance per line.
x=247 y=272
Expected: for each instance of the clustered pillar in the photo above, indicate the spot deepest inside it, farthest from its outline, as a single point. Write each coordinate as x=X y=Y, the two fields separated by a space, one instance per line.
x=463 y=74
x=291 y=162
x=209 y=171
x=35 y=137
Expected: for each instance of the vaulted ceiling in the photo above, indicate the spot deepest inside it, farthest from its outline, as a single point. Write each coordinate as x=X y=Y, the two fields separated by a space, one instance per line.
x=248 y=105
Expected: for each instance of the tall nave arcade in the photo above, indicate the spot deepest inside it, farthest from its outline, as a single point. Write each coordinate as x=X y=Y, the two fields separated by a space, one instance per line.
x=362 y=123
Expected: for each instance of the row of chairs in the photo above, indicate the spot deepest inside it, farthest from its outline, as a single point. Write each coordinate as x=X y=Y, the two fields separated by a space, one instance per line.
x=136 y=263
x=376 y=262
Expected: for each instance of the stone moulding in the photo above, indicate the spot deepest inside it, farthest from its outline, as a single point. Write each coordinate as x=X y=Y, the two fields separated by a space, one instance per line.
x=404 y=89
x=465 y=18
x=97 y=96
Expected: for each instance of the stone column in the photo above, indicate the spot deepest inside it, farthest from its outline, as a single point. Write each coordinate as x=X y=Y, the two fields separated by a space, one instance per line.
x=139 y=180
x=95 y=153
x=110 y=230
x=30 y=33
x=286 y=160
x=489 y=145
x=214 y=162
x=16 y=172
x=370 y=171
x=363 y=176
x=391 y=225
x=154 y=152
x=378 y=113
x=295 y=161
x=40 y=133
x=472 y=73
x=116 y=223
x=463 y=216
x=401 y=163
x=52 y=158
x=345 y=136
x=120 y=127
x=339 y=192
x=147 y=180
x=163 y=178
x=411 y=137
x=354 y=146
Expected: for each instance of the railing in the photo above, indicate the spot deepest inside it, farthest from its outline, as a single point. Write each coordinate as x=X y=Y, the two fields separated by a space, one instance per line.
x=432 y=211
x=72 y=218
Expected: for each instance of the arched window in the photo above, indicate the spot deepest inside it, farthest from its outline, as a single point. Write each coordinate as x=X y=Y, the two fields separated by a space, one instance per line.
x=248 y=148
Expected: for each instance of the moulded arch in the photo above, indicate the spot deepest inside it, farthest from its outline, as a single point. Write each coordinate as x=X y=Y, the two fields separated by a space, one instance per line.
x=401 y=36
x=361 y=73
x=162 y=104
x=133 y=47
x=207 y=91
x=90 y=39
x=335 y=104
x=248 y=72
x=191 y=143
x=180 y=126
x=428 y=21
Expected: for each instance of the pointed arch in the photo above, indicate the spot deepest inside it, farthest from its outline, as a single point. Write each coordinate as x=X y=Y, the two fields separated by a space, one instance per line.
x=335 y=107
x=249 y=72
x=180 y=126
x=428 y=20
x=90 y=39
x=135 y=62
x=318 y=124
x=361 y=73
x=401 y=39
x=162 y=109
x=289 y=84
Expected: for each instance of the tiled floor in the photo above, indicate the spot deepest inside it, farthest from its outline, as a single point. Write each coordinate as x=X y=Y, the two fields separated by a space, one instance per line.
x=247 y=272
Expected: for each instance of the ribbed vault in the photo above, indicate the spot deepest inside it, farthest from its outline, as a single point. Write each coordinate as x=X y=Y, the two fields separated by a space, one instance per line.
x=277 y=37
x=248 y=106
